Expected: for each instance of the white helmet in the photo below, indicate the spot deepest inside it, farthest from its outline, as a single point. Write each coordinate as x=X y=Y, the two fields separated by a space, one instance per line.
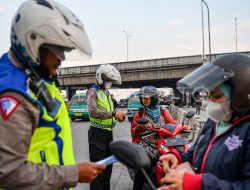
x=107 y=72
x=39 y=22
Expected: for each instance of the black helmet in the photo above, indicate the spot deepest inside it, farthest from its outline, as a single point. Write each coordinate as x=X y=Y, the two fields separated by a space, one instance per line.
x=150 y=91
x=233 y=69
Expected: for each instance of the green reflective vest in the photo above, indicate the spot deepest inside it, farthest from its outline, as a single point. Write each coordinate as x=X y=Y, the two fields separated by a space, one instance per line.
x=104 y=103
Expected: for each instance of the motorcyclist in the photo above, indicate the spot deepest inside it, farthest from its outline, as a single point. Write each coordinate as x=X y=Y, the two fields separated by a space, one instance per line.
x=103 y=118
x=36 y=149
x=149 y=97
x=220 y=157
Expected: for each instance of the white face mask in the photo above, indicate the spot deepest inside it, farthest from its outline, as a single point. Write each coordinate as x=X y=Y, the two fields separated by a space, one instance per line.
x=107 y=85
x=219 y=111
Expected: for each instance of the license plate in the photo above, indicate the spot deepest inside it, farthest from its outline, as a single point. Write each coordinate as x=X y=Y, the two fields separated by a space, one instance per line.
x=78 y=114
x=176 y=141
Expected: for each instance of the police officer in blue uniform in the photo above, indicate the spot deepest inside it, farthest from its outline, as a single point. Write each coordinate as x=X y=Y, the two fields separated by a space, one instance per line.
x=36 y=149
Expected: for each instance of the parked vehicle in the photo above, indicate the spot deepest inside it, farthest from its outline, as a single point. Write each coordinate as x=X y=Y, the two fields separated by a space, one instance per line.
x=78 y=107
x=122 y=103
x=133 y=105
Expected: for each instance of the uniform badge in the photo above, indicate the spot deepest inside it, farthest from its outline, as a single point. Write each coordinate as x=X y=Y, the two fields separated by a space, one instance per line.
x=8 y=104
x=233 y=142
x=101 y=95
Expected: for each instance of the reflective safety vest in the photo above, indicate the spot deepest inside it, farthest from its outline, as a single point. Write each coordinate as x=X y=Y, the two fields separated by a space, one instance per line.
x=104 y=103
x=51 y=141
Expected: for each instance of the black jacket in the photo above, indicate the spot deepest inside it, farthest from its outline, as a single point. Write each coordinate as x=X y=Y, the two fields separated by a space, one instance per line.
x=224 y=161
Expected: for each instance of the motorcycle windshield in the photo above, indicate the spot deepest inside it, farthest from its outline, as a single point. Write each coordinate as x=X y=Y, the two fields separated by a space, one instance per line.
x=207 y=77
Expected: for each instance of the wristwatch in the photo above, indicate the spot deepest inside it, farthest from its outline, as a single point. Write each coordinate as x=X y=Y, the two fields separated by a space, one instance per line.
x=113 y=113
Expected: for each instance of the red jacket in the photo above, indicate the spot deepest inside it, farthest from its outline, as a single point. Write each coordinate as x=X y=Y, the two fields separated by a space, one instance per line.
x=135 y=135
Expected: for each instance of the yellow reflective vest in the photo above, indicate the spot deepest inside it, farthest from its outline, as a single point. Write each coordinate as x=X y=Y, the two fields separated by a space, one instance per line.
x=52 y=139
x=104 y=103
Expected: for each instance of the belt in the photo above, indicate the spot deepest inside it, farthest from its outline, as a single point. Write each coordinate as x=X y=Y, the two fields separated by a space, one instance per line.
x=102 y=126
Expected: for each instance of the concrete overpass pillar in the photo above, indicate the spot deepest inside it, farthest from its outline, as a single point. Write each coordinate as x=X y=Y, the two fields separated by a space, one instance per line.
x=70 y=92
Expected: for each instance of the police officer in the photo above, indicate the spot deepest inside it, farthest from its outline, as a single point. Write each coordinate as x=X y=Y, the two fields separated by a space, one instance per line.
x=103 y=118
x=36 y=140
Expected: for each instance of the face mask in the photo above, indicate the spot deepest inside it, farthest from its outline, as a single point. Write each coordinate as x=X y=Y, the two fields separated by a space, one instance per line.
x=107 y=85
x=219 y=111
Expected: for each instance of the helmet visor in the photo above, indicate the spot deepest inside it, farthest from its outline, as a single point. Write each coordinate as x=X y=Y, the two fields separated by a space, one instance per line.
x=56 y=50
x=207 y=77
x=80 y=45
x=118 y=81
x=81 y=48
x=148 y=91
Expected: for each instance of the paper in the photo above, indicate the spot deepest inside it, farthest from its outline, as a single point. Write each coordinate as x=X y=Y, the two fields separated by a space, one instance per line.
x=184 y=167
x=108 y=161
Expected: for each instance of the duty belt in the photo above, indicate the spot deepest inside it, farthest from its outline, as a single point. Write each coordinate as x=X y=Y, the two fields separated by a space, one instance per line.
x=102 y=126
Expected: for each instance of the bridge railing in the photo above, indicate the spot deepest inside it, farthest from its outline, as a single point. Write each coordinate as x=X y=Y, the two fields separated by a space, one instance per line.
x=136 y=65
x=143 y=64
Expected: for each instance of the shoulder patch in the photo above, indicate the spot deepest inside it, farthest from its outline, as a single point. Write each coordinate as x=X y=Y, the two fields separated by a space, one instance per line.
x=91 y=93
x=8 y=104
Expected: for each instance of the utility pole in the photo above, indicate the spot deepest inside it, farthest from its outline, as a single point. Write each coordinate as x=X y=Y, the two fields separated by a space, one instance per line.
x=203 y=43
x=127 y=35
x=202 y=1
x=236 y=35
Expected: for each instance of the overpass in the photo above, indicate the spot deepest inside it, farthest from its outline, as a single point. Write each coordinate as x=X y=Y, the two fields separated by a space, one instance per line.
x=164 y=72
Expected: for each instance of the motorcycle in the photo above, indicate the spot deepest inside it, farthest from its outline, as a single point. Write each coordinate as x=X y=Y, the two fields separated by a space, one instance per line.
x=159 y=140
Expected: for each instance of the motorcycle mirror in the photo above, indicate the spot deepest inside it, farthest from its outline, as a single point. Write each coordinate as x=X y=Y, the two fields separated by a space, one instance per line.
x=189 y=114
x=142 y=120
x=130 y=154
x=133 y=156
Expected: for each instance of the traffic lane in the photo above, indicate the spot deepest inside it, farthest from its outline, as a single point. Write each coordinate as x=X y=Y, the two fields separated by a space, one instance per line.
x=120 y=178
x=80 y=136
x=203 y=113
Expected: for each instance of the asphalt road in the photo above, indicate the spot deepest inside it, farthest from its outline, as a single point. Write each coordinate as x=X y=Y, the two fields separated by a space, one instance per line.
x=120 y=179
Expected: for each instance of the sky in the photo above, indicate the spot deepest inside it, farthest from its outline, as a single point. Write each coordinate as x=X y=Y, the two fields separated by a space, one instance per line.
x=158 y=28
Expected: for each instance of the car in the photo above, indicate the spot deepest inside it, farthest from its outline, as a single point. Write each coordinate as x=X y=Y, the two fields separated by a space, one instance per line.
x=133 y=105
x=77 y=107
x=122 y=103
